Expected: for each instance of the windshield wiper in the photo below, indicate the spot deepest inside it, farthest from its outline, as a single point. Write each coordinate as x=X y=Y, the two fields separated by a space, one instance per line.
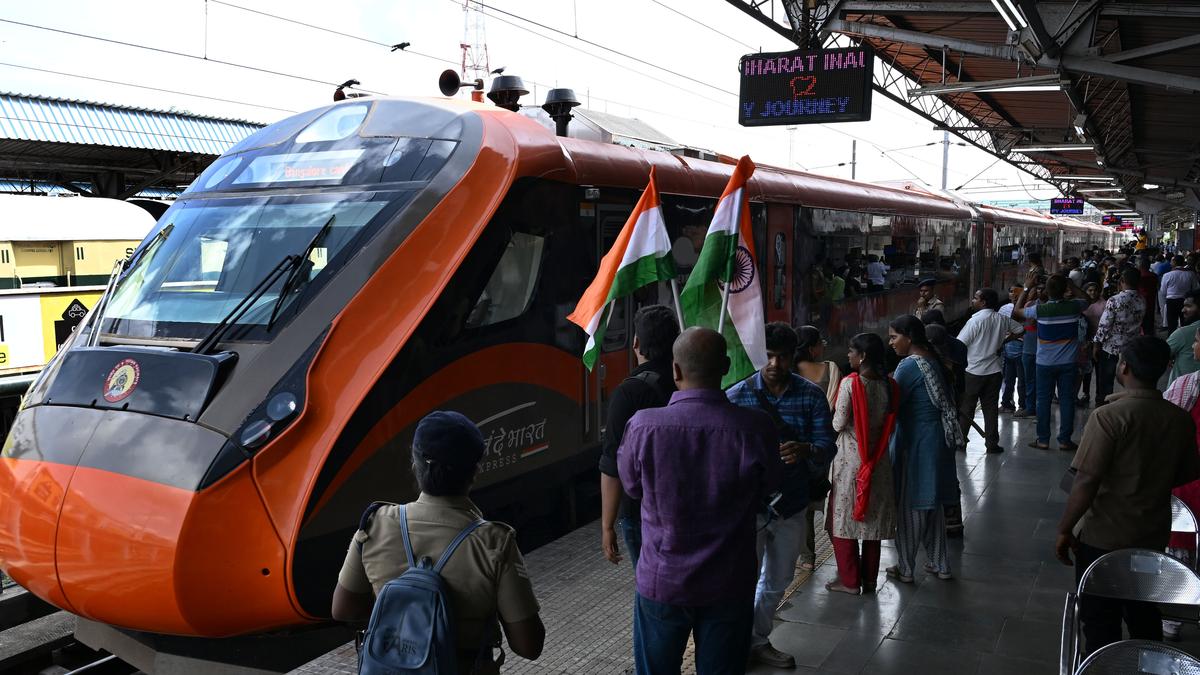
x=119 y=267
x=158 y=239
x=214 y=336
x=303 y=268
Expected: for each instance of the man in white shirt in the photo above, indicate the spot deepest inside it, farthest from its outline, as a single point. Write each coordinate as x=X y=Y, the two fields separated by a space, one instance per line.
x=1176 y=284
x=1074 y=271
x=876 y=274
x=984 y=335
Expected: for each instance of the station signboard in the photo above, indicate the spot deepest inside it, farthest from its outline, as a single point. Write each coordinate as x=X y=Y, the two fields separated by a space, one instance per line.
x=1110 y=220
x=1066 y=206
x=805 y=86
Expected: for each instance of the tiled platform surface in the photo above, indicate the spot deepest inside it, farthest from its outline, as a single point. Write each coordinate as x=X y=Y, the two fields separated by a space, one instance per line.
x=999 y=615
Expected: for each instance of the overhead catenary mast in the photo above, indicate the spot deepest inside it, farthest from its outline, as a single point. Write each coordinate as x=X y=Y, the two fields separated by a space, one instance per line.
x=474 y=44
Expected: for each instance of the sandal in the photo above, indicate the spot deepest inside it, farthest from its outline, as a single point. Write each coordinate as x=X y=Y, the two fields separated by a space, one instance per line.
x=893 y=572
x=838 y=587
x=932 y=569
x=1039 y=445
x=806 y=565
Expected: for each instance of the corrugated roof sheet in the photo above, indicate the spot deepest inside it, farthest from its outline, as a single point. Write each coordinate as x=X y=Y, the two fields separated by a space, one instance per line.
x=35 y=118
x=38 y=187
x=627 y=127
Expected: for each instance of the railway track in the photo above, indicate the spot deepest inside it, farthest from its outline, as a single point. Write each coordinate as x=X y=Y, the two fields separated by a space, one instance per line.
x=38 y=639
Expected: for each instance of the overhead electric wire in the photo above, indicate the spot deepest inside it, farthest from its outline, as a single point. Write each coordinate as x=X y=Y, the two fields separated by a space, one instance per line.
x=601 y=58
x=330 y=30
x=600 y=46
x=144 y=86
x=171 y=52
x=701 y=23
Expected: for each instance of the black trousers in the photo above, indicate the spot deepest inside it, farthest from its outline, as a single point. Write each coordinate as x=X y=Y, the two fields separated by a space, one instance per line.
x=983 y=390
x=1101 y=617
x=1106 y=374
x=1174 y=306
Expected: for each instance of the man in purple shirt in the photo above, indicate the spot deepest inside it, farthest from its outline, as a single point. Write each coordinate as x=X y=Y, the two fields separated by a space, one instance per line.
x=702 y=468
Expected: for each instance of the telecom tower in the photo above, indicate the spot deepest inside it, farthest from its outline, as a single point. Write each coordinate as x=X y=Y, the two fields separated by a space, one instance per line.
x=474 y=44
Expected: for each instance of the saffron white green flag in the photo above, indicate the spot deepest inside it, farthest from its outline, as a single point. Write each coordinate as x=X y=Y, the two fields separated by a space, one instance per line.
x=727 y=259
x=641 y=255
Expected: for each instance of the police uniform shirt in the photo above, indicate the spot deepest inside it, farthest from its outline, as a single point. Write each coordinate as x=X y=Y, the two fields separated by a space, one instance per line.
x=486 y=575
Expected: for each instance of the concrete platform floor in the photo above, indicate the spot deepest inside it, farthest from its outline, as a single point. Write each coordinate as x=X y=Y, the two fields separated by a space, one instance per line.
x=999 y=615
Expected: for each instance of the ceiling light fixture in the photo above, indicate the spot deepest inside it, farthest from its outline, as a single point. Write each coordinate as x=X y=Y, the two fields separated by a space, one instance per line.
x=1150 y=186
x=1093 y=178
x=1107 y=189
x=1058 y=147
x=1016 y=84
x=1009 y=13
x=1107 y=199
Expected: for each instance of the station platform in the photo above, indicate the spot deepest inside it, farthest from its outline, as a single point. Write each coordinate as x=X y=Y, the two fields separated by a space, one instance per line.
x=1000 y=615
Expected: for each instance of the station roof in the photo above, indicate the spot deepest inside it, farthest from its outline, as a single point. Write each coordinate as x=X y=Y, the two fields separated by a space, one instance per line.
x=120 y=150
x=1117 y=84
x=56 y=120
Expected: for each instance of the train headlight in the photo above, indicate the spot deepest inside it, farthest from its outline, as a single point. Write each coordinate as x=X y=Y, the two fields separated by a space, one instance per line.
x=255 y=434
x=282 y=406
x=268 y=419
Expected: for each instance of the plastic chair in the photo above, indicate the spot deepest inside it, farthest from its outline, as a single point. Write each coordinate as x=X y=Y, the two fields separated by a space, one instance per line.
x=1139 y=656
x=1183 y=520
x=1129 y=574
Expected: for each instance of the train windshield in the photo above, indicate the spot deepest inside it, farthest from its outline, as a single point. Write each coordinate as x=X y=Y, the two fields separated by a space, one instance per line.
x=218 y=250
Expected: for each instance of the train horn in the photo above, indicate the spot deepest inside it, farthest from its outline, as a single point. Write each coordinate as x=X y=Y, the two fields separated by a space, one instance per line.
x=450 y=83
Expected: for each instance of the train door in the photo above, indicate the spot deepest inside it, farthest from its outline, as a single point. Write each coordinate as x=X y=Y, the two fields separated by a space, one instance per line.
x=983 y=269
x=777 y=259
x=616 y=355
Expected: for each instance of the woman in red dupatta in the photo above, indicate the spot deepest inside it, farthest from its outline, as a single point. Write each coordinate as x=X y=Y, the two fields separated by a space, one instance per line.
x=862 y=504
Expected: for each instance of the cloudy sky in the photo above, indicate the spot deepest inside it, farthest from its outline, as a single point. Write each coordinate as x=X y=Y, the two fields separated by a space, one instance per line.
x=234 y=59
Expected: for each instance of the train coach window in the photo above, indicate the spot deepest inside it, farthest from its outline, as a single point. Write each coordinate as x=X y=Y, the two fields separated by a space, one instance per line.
x=511 y=285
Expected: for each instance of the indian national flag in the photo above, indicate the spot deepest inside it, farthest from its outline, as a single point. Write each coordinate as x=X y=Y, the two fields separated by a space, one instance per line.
x=641 y=255
x=728 y=259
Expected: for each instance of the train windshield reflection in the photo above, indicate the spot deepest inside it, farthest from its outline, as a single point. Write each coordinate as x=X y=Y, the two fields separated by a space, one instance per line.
x=220 y=249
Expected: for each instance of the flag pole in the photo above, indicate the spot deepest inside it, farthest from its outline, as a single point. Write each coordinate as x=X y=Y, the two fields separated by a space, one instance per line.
x=729 y=271
x=724 y=306
x=678 y=306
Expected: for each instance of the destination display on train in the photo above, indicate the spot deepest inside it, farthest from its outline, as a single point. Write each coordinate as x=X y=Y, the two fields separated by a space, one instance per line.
x=805 y=87
x=1066 y=206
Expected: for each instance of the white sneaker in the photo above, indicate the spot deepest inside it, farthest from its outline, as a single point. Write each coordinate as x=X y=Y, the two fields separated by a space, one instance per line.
x=772 y=657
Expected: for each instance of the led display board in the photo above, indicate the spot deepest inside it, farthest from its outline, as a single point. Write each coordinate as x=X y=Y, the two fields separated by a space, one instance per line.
x=1066 y=206
x=1110 y=220
x=805 y=87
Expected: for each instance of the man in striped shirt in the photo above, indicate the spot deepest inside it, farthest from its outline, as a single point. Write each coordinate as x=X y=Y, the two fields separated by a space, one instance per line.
x=1058 y=345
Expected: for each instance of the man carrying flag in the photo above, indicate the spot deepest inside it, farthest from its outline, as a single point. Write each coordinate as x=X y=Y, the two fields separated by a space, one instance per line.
x=640 y=255
x=723 y=291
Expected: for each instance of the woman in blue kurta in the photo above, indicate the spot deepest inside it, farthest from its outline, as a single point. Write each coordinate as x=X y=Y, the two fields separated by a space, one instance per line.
x=927 y=431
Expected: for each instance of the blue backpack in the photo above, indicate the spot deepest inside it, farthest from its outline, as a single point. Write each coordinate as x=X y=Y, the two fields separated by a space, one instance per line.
x=411 y=630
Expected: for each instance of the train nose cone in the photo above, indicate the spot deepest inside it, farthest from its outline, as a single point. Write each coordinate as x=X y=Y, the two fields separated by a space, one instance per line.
x=99 y=515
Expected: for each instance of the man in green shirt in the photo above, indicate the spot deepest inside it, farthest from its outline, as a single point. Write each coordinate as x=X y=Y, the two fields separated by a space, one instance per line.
x=1182 y=361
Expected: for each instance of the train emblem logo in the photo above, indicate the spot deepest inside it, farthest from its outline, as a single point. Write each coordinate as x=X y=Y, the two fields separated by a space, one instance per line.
x=743 y=271
x=122 y=380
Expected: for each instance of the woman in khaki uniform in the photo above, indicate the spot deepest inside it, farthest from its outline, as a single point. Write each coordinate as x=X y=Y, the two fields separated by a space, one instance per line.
x=486 y=576
x=862 y=507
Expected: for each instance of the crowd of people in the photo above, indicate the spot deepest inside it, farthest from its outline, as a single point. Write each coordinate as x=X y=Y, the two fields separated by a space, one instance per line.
x=711 y=493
